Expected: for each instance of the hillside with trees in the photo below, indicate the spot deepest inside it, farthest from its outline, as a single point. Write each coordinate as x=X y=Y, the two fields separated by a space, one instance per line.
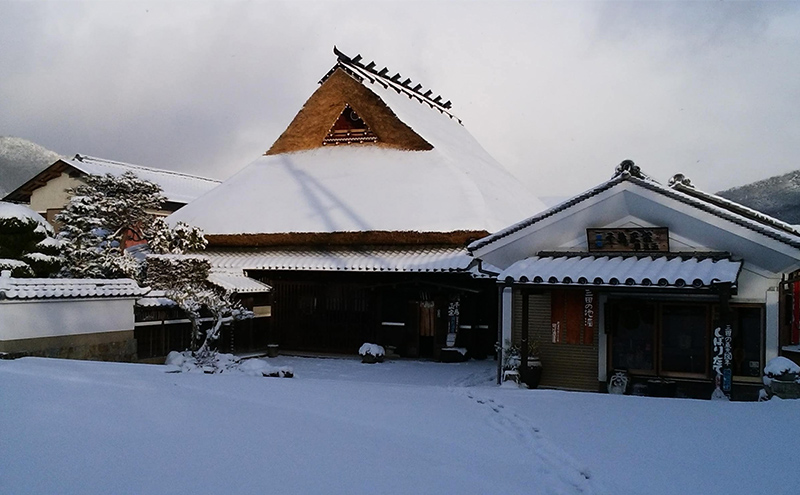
x=20 y=160
x=777 y=196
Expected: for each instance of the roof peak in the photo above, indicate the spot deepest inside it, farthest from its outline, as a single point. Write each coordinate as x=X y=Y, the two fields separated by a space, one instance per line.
x=355 y=68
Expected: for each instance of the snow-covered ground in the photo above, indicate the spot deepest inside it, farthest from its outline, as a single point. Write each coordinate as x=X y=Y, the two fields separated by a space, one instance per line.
x=341 y=426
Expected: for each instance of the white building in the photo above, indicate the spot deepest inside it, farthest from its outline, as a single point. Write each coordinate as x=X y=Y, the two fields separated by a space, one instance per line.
x=638 y=276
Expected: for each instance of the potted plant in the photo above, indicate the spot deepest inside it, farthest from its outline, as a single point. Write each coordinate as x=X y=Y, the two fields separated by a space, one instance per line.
x=371 y=353
x=532 y=376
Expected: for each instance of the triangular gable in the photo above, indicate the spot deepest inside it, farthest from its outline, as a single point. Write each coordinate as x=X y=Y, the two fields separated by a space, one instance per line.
x=631 y=196
x=22 y=194
x=311 y=127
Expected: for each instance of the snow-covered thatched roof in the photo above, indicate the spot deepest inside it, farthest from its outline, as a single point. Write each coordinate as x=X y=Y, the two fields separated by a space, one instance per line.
x=442 y=182
x=177 y=187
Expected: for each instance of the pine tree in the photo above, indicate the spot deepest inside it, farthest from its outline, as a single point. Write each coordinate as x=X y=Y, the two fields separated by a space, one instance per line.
x=107 y=209
x=184 y=280
x=98 y=216
x=27 y=244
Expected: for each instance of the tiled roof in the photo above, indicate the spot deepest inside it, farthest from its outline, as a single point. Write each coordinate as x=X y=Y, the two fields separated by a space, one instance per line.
x=725 y=209
x=236 y=281
x=412 y=259
x=53 y=288
x=176 y=186
x=632 y=271
x=155 y=298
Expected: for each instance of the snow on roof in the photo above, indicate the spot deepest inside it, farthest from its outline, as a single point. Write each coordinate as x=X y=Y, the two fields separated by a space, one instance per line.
x=155 y=299
x=52 y=288
x=176 y=186
x=236 y=281
x=455 y=186
x=21 y=212
x=632 y=271
x=412 y=259
x=723 y=208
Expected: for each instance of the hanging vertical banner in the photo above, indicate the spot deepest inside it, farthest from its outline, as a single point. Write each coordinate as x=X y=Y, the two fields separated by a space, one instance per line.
x=588 y=317
x=453 y=311
x=723 y=358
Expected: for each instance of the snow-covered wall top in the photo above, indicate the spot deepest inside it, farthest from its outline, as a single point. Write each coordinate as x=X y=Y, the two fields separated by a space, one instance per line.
x=50 y=288
x=455 y=186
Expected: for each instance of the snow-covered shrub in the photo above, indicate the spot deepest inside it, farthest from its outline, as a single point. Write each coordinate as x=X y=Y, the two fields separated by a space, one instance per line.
x=781 y=368
x=371 y=353
x=781 y=378
x=187 y=362
x=27 y=244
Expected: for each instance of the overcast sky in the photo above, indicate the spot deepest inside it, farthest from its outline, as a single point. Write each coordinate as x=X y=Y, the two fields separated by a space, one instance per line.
x=558 y=92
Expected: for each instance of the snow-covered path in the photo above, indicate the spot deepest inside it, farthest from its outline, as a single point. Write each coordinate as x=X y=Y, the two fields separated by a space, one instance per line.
x=397 y=427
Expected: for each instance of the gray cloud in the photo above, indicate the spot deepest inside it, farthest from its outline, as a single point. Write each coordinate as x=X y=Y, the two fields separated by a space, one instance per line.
x=558 y=92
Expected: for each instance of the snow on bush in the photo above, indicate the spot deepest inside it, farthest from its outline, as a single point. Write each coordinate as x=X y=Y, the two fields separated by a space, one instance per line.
x=779 y=366
x=27 y=247
x=187 y=362
x=371 y=349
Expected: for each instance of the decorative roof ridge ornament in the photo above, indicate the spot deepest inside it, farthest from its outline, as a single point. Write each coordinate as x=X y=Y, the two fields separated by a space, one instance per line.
x=354 y=67
x=629 y=169
x=680 y=179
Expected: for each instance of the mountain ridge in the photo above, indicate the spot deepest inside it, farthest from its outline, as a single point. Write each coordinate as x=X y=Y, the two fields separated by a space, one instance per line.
x=20 y=161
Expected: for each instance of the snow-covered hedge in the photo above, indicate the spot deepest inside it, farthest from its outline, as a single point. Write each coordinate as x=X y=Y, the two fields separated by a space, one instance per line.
x=186 y=362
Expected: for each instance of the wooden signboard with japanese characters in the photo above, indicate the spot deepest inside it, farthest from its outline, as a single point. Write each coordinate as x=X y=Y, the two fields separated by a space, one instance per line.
x=655 y=239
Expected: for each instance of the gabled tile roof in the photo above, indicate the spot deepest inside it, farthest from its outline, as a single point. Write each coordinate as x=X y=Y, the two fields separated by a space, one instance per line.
x=720 y=207
x=177 y=187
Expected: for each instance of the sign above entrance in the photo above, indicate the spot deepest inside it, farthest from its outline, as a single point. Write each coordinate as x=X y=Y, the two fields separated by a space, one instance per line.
x=654 y=239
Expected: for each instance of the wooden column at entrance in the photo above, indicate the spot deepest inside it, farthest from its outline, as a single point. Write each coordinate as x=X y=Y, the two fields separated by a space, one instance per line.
x=523 y=366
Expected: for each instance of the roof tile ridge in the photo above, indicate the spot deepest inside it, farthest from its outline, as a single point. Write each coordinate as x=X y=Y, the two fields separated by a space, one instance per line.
x=791 y=238
x=548 y=212
x=735 y=207
x=81 y=158
x=353 y=66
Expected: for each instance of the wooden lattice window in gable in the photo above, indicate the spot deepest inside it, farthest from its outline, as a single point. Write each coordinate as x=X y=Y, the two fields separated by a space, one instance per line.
x=349 y=128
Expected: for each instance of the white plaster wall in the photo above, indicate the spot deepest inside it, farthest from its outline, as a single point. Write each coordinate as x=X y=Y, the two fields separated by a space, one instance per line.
x=53 y=194
x=50 y=318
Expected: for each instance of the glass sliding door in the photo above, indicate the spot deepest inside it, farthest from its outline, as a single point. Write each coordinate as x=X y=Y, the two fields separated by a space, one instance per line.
x=633 y=342
x=684 y=339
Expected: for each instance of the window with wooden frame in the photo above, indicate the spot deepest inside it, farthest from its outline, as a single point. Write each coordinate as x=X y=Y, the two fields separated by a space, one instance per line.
x=674 y=338
x=573 y=316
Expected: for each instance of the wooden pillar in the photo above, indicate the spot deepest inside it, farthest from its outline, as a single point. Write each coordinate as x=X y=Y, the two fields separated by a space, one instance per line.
x=523 y=345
